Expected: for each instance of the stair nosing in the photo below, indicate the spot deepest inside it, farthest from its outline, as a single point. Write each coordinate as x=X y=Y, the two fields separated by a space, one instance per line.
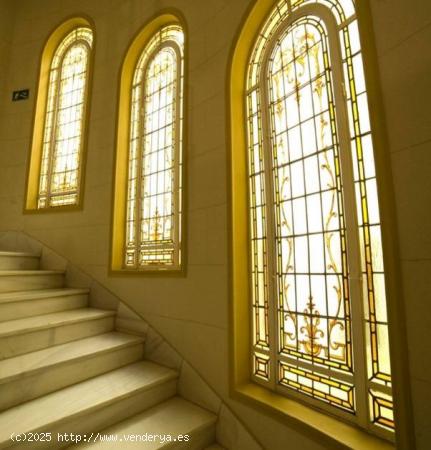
x=40 y=294
x=18 y=254
x=103 y=314
x=30 y=372
x=12 y=273
x=169 y=376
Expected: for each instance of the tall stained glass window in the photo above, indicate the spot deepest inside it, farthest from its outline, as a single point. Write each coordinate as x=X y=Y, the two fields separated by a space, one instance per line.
x=319 y=320
x=61 y=164
x=154 y=195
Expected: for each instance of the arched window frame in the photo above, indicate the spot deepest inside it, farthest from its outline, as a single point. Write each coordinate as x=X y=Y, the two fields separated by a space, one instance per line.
x=48 y=57
x=262 y=13
x=145 y=46
x=352 y=239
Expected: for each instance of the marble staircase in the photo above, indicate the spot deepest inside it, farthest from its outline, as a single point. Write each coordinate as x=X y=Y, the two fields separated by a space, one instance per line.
x=65 y=370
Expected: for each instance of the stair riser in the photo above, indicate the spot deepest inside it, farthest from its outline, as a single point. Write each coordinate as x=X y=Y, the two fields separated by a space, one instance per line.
x=39 y=306
x=57 y=377
x=30 y=282
x=102 y=417
x=19 y=344
x=19 y=263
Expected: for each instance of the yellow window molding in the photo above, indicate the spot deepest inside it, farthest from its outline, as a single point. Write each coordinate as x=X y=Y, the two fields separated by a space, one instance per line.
x=290 y=407
x=136 y=246
x=40 y=195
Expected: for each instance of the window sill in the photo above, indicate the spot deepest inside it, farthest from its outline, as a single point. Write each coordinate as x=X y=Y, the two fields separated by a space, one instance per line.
x=54 y=209
x=326 y=430
x=176 y=272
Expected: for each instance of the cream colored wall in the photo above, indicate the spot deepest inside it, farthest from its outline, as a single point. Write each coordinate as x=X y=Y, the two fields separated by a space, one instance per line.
x=403 y=35
x=6 y=25
x=191 y=312
x=6 y=29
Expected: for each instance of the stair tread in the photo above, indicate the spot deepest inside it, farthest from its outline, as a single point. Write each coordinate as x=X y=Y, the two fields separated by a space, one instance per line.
x=25 y=272
x=24 y=365
x=16 y=296
x=173 y=417
x=19 y=326
x=85 y=396
x=18 y=254
x=215 y=447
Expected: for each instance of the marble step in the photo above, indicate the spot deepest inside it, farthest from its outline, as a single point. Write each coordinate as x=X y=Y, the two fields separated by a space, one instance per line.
x=215 y=447
x=17 y=305
x=172 y=418
x=27 y=280
x=89 y=406
x=36 y=333
x=18 y=261
x=34 y=374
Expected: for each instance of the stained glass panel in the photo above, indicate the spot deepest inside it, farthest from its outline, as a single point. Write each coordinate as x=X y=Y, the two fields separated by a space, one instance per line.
x=155 y=156
x=62 y=143
x=382 y=409
x=326 y=389
x=261 y=366
x=299 y=215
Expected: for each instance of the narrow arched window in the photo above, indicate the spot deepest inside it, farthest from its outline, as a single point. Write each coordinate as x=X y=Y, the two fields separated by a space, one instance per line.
x=153 y=223
x=319 y=323
x=59 y=146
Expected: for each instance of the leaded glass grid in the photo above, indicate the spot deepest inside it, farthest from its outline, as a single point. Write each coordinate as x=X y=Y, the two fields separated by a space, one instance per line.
x=301 y=292
x=153 y=229
x=63 y=132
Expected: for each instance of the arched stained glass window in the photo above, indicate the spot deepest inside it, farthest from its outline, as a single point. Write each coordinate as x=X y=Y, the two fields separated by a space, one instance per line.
x=153 y=224
x=319 y=320
x=61 y=159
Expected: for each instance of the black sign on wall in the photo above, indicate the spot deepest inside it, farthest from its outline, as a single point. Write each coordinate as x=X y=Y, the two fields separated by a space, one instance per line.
x=23 y=94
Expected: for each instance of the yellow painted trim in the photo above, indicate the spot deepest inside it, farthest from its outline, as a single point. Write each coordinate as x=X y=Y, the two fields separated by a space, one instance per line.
x=33 y=169
x=118 y=222
x=321 y=427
